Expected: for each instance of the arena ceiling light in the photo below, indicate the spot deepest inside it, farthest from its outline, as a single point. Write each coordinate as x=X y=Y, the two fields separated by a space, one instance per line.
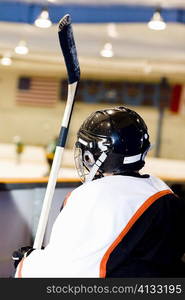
x=21 y=48
x=107 y=50
x=6 y=59
x=157 y=22
x=43 y=21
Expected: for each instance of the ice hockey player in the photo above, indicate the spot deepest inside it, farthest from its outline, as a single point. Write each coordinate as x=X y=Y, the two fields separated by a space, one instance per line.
x=119 y=222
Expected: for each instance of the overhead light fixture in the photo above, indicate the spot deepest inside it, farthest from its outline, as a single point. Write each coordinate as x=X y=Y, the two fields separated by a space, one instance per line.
x=157 y=22
x=107 y=50
x=21 y=48
x=6 y=60
x=43 y=20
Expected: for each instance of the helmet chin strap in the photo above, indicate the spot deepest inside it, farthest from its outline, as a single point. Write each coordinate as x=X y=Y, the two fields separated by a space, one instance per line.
x=96 y=166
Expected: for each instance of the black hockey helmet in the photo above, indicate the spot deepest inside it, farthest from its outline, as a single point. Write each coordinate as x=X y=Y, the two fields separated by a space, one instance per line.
x=111 y=141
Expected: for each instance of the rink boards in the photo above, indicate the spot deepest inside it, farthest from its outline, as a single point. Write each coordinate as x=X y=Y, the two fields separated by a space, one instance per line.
x=20 y=207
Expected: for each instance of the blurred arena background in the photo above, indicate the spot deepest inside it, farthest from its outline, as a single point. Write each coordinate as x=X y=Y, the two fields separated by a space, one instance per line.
x=123 y=62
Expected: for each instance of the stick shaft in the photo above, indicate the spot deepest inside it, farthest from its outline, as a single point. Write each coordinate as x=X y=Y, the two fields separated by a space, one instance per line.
x=55 y=168
x=48 y=198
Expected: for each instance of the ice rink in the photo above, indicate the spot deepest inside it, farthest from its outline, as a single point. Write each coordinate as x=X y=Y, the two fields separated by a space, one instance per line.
x=32 y=164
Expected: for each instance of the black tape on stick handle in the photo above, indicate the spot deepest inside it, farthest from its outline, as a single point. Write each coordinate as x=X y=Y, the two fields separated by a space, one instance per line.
x=68 y=47
x=62 y=137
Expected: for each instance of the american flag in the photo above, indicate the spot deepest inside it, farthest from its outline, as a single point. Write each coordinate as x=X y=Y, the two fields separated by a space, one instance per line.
x=177 y=101
x=40 y=91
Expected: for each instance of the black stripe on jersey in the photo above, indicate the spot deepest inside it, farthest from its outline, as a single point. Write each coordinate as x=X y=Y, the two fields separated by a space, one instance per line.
x=154 y=245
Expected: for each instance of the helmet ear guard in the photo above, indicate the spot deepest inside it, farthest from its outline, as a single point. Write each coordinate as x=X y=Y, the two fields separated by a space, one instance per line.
x=88 y=159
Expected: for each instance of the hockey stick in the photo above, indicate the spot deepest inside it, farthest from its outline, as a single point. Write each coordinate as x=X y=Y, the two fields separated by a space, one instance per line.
x=68 y=47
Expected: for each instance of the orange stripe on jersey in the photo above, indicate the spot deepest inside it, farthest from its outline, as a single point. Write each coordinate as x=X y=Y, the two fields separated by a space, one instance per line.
x=66 y=198
x=135 y=217
x=20 y=268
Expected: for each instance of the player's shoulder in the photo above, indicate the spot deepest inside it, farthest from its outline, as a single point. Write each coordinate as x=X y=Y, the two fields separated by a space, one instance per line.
x=87 y=192
x=120 y=182
x=158 y=183
x=87 y=187
x=95 y=188
x=171 y=201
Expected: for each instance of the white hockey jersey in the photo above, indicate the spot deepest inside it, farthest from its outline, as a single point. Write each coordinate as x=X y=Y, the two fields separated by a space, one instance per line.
x=96 y=217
